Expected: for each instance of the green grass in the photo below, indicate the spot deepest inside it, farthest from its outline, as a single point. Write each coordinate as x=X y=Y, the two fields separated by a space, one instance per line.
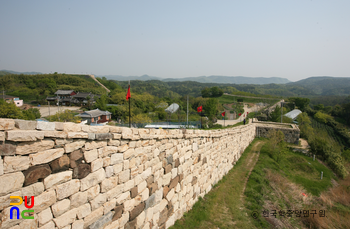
x=222 y=207
x=296 y=168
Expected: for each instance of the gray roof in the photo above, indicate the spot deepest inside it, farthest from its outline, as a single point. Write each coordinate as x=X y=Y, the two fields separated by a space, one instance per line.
x=93 y=113
x=83 y=95
x=64 y=92
x=293 y=114
x=172 y=108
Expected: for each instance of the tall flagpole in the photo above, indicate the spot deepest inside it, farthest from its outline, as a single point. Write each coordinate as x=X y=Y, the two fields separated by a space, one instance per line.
x=129 y=108
x=187 y=111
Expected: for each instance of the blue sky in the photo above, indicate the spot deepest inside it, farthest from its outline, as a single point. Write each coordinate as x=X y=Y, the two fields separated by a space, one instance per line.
x=271 y=38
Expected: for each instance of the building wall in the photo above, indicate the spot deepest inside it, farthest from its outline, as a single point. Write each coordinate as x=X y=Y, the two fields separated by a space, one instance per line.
x=111 y=177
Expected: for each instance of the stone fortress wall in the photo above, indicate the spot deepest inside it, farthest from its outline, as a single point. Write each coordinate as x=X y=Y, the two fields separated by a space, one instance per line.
x=110 y=177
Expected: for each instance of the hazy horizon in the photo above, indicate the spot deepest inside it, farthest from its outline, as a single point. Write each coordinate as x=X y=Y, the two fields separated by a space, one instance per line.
x=176 y=39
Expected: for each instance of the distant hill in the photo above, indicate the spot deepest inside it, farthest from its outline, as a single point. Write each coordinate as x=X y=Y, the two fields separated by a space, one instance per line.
x=6 y=72
x=207 y=79
x=326 y=85
x=127 y=78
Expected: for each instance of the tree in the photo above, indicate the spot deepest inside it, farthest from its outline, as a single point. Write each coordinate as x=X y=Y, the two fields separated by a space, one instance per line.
x=301 y=103
x=65 y=116
x=101 y=103
x=206 y=92
x=10 y=110
x=211 y=108
x=216 y=92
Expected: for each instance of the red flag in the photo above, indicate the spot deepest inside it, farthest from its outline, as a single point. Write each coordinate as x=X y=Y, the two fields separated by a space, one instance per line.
x=247 y=112
x=128 y=94
x=239 y=114
x=199 y=109
x=223 y=114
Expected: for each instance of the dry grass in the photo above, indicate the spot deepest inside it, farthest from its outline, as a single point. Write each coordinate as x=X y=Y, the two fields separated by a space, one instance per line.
x=337 y=202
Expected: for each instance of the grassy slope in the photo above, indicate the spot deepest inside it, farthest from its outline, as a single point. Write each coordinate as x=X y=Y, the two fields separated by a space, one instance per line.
x=222 y=207
x=272 y=186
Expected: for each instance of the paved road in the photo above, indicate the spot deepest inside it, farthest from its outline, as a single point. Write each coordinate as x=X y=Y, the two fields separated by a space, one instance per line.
x=44 y=111
x=240 y=119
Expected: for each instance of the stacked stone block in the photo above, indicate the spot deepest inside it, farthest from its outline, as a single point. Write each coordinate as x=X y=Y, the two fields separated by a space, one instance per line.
x=108 y=176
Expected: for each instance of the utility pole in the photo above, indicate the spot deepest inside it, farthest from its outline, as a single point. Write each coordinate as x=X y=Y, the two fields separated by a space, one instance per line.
x=281 y=111
x=187 y=111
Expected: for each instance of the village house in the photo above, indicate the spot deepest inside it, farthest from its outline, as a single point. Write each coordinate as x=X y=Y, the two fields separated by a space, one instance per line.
x=13 y=99
x=95 y=116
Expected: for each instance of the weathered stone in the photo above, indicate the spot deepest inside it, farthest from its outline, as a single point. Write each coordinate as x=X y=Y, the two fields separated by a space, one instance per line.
x=83 y=211
x=7 y=149
x=76 y=158
x=59 y=125
x=77 y=135
x=55 y=134
x=118 y=211
x=24 y=135
x=177 y=162
x=44 y=200
x=124 y=176
x=112 y=142
x=103 y=136
x=194 y=180
x=108 y=184
x=153 y=188
x=109 y=171
x=168 y=169
x=108 y=206
x=2 y=136
x=45 y=126
x=5 y=200
x=71 y=127
x=78 y=199
x=93 y=179
x=137 y=210
x=150 y=180
x=33 y=190
x=134 y=192
x=165 y=190
x=70 y=147
x=181 y=176
x=45 y=156
x=78 y=224
x=32 y=147
x=118 y=168
x=93 y=192
x=67 y=189
x=44 y=217
x=81 y=171
x=163 y=216
x=129 y=153
x=95 y=129
x=7 y=124
x=60 y=207
x=95 y=144
x=106 y=161
x=131 y=224
x=91 y=136
x=25 y=125
x=60 y=164
x=35 y=173
x=90 y=155
x=123 y=148
x=204 y=160
x=66 y=219
x=174 y=182
x=15 y=163
x=99 y=200
x=58 y=178
x=1 y=167
x=115 y=192
x=96 y=164
x=122 y=198
x=101 y=222
x=150 y=202
x=108 y=150
x=93 y=216
x=117 y=158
